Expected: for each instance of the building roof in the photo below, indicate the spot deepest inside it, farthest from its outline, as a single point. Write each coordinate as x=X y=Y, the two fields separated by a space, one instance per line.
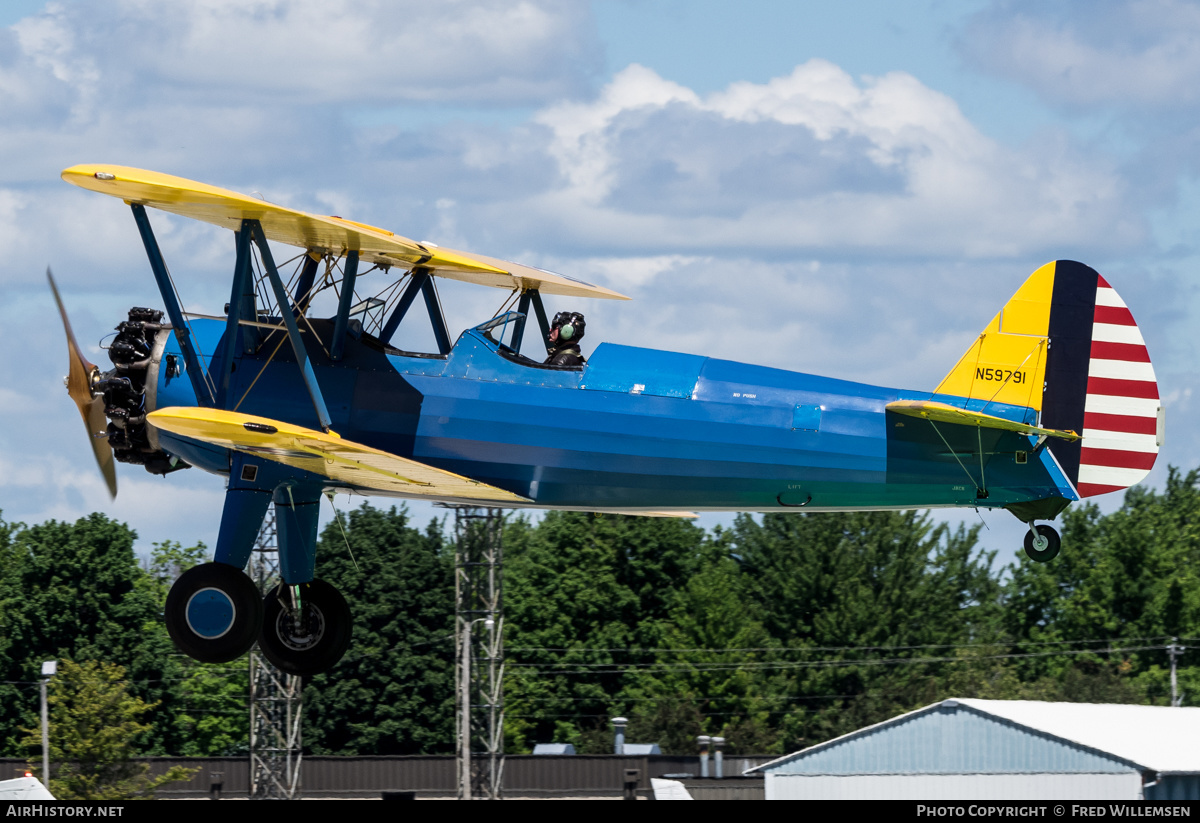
x=554 y=748
x=642 y=748
x=1160 y=738
x=1073 y=736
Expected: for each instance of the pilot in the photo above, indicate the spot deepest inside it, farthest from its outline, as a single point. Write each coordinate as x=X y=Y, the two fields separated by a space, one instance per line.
x=565 y=333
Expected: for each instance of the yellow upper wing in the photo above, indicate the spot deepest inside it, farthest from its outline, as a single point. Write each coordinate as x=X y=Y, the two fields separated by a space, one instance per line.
x=328 y=455
x=326 y=234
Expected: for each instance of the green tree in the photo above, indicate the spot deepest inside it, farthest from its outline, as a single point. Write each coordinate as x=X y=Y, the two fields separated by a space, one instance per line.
x=588 y=598
x=94 y=723
x=1124 y=583
x=868 y=606
x=167 y=561
x=73 y=590
x=393 y=693
x=76 y=590
x=18 y=701
x=710 y=679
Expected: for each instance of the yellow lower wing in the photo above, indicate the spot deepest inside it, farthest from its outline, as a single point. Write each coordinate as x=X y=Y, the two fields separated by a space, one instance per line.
x=352 y=464
x=944 y=413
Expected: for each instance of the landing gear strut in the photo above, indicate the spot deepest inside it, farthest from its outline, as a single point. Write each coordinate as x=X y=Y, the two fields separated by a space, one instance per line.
x=1042 y=543
x=306 y=628
x=214 y=613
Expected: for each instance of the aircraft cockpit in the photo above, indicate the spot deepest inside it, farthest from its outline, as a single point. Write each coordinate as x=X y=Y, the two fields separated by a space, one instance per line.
x=494 y=330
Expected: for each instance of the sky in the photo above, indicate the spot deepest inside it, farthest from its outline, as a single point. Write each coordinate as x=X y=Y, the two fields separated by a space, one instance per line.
x=850 y=189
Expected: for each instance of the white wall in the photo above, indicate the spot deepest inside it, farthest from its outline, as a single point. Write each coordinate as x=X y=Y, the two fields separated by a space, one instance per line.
x=954 y=786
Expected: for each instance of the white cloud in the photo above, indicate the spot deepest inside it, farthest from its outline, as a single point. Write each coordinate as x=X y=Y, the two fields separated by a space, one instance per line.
x=633 y=272
x=314 y=51
x=582 y=144
x=1135 y=54
x=65 y=488
x=815 y=161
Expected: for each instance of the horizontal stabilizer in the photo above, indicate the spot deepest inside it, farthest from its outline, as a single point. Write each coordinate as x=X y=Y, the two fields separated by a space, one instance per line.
x=943 y=413
x=328 y=234
x=348 y=463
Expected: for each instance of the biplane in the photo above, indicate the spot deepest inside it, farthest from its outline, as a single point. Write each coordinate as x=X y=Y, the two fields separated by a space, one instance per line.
x=1054 y=401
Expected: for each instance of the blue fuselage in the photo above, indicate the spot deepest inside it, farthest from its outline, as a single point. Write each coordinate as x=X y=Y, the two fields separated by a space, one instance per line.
x=635 y=429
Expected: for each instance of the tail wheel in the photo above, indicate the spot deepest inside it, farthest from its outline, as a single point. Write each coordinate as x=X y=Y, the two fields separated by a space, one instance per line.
x=214 y=613
x=309 y=639
x=1043 y=545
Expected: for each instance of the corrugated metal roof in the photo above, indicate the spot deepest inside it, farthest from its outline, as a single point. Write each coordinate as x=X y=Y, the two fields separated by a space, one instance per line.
x=957 y=736
x=642 y=748
x=554 y=748
x=1161 y=738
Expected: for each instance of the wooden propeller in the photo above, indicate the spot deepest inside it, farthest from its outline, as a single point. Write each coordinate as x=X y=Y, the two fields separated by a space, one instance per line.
x=80 y=383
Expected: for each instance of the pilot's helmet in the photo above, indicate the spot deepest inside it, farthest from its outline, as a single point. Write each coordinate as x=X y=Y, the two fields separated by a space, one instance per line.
x=570 y=325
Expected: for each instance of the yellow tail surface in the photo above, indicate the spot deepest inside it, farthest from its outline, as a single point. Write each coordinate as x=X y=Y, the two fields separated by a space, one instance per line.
x=1067 y=347
x=1007 y=362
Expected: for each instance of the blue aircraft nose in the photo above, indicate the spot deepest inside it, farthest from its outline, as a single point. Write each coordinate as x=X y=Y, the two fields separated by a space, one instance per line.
x=210 y=613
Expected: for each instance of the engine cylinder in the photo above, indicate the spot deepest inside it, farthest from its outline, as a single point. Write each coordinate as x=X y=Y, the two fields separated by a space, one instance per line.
x=135 y=355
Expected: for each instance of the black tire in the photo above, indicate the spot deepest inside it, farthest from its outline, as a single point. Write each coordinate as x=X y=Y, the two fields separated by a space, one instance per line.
x=317 y=641
x=214 y=613
x=1050 y=541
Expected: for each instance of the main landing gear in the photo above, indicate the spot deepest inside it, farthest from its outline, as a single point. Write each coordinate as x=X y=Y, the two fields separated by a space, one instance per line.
x=215 y=614
x=1042 y=543
x=306 y=628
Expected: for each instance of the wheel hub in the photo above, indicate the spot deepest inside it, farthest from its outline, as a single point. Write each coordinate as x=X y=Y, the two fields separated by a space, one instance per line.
x=210 y=613
x=300 y=632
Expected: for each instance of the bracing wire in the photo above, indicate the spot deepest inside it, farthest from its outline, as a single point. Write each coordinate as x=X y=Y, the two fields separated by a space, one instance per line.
x=337 y=516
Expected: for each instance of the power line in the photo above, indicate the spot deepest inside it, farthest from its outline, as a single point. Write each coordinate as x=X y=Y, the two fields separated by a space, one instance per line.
x=613 y=668
x=669 y=698
x=1018 y=643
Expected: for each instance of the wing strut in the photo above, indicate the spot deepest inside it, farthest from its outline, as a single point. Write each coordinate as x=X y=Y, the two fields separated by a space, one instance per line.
x=182 y=333
x=419 y=277
x=980 y=487
x=518 y=332
x=543 y=323
x=285 y=309
x=436 y=317
x=305 y=285
x=349 y=275
x=241 y=307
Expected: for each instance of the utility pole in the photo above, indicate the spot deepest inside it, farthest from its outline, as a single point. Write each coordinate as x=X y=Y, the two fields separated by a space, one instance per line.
x=1175 y=650
x=276 y=708
x=49 y=669
x=479 y=665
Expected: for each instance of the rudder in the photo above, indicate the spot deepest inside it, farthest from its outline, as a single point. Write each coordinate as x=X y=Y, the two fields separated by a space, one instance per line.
x=1067 y=347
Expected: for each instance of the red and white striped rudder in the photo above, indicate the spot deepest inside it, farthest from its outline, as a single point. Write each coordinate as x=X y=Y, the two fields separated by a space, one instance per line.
x=1122 y=421
x=1100 y=383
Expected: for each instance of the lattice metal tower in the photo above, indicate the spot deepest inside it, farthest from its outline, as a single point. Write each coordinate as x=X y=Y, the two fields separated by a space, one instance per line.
x=275 y=702
x=479 y=654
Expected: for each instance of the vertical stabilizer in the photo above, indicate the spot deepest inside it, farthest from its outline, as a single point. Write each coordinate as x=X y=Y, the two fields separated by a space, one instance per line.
x=1067 y=347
